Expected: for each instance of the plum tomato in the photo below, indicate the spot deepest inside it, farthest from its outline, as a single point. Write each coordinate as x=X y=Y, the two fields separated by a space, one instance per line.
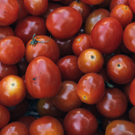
x=90 y=60
x=8 y=12
x=46 y=125
x=42 y=46
x=4 y=116
x=67 y=99
x=121 y=69
x=13 y=90
x=12 y=50
x=91 y=88
x=59 y=20
x=42 y=78
x=107 y=35
x=15 y=128
x=79 y=121
x=113 y=104
x=93 y=2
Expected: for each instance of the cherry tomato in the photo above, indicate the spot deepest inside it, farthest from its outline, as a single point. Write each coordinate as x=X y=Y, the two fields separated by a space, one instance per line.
x=91 y=88
x=42 y=78
x=36 y=7
x=59 y=20
x=107 y=35
x=12 y=50
x=17 y=128
x=8 y=12
x=113 y=104
x=132 y=5
x=92 y=2
x=67 y=99
x=13 y=90
x=80 y=122
x=90 y=60
x=123 y=14
x=121 y=69
x=46 y=125
x=4 y=116
x=42 y=46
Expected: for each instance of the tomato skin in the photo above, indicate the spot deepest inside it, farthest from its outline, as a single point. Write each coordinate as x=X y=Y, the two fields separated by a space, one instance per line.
x=107 y=35
x=120 y=127
x=9 y=12
x=132 y=5
x=93 y=2
x=46 y=125
x=132 y=114
x=42 y=77
x=59 y=20
x=91 y=88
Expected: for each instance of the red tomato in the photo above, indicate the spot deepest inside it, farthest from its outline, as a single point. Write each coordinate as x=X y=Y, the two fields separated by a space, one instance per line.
x=42 y=78
x=13 y=128
x=59 y=20
x=91 y=88
x=13 y=90
x=4 y=116
x=132 y=5
x=107 y=35
x=12 y=50
x=132 y=114
x=36 y=7
x=46 y=125
x=8 y=12
x=93 y=2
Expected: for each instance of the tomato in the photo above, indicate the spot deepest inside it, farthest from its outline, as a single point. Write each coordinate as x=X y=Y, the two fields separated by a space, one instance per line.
x=81 y=43
x=91 y=88
x=42 y=46
x=59 y=20
x=17 y=128
x=28 y=26
x=12 y=50
x=69 y=69
x=67 y=99
x=80 y=122
x=90 y=60
x=113 y=104
x=123 y=14
x=107 y=35
x=82 y=8
x=94 y=17
x=92 y=2
x=120 y=127
x=4 y=116
x=132 y=5
x=46 y=125
x=132 y=114
x=121 y=69
x=9 y=12
x=36 y=7
x=13 y=90
x=42 y=78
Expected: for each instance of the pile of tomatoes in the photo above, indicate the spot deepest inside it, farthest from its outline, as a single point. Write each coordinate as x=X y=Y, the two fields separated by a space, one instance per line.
x=67 y=67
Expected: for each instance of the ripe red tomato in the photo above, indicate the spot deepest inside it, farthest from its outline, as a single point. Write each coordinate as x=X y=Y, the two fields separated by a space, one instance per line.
x=107 y=35
x=59 y=20
x=132 y=114
x=132 y=5
x=42 y=77
x=12 y=50
x=13 y=90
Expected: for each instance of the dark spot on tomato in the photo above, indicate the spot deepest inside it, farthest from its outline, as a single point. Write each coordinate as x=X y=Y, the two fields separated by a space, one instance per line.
x=34 y=79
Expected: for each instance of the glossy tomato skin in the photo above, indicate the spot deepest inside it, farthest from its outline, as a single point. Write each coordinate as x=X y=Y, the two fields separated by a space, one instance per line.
x=120 y=127
x=9 y=12
x=113 y=104
x=12 y=50
x=42 y=46
x=121 y=69
x=13 y=90
x=79 y=121
x=59 y=20
x=92 y=2
x=67 y=99
x=91 y=88
x=29 y=26
x=46 y=125
x=69 y=69
x=107 y=35
x=43 y=78
x=4 y=116
x=17 y=128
